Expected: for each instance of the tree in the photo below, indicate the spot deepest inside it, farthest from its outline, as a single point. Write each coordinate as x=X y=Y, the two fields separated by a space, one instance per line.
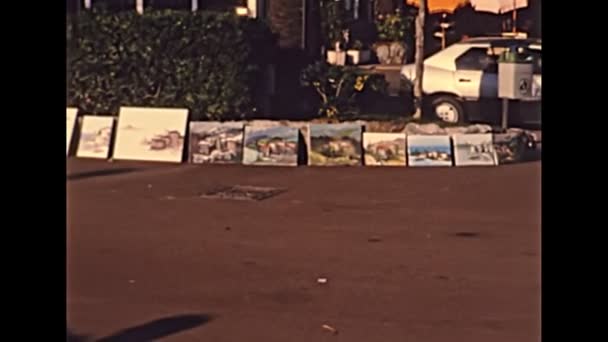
x=419 y=59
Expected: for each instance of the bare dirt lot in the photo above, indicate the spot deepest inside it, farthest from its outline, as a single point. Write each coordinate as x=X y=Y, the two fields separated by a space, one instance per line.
x=433 y=255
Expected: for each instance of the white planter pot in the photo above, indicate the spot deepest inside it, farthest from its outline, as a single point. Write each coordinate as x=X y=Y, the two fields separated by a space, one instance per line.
x=359 y=56
x=336 y=57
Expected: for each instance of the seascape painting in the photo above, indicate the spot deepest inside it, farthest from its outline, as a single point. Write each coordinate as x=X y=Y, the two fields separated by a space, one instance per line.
x=429 y=150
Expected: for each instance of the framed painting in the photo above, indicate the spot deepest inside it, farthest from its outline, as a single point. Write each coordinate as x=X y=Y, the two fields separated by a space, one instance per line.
x=150 y=134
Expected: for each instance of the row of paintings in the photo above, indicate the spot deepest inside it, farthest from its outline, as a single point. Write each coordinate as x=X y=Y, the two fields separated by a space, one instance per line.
x=159 y=135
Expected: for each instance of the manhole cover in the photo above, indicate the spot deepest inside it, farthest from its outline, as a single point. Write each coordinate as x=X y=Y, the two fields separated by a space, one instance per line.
x=244 y=193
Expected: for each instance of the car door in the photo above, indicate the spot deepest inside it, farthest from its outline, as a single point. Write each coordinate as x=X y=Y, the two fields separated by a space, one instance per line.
x=476 y=74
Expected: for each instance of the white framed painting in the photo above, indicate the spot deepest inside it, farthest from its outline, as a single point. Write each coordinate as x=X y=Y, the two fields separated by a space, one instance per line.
x=474 y=149
x=150 y=134
x=95 y=136
x=429 y=150
x=70 y=122
x=384 y=149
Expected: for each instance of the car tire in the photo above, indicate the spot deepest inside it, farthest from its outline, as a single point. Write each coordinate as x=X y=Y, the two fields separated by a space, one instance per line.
x=448 y=109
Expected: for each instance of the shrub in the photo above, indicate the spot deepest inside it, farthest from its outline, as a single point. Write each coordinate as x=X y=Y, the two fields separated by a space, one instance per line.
x=338 y=87
x=206 y=62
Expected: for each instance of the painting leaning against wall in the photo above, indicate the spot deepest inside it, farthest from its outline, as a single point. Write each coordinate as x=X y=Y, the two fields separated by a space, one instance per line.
x=95 y=135
x=150 y=134
x=474 y=149
x=215 y=142
x=273 y=146
x=70 y=122
x=429 y=150
x=384 y=149
x=335 y=144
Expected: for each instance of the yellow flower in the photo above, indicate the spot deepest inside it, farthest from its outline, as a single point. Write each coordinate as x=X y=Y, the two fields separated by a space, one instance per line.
x=331 y=112
x=360 y=82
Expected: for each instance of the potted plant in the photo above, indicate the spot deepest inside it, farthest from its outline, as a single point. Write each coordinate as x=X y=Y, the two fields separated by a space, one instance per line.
x=393 y=30
x=358 y=53
x=338 y=55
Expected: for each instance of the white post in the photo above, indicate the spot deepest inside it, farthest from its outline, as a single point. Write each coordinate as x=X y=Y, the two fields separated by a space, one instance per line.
x=139 y=6
x=194 y=5
x=87 y=4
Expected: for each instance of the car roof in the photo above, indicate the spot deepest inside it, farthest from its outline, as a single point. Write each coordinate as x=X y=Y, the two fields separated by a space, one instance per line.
x=501 y=41
x=446 y=58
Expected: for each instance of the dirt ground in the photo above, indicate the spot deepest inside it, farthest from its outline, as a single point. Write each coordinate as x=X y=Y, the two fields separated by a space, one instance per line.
x=433 y=255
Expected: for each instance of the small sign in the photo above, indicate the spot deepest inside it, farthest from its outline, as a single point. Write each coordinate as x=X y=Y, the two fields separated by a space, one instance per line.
x=523 y=86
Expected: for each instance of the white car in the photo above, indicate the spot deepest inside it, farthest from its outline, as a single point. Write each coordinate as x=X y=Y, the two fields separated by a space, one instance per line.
x=460 y=83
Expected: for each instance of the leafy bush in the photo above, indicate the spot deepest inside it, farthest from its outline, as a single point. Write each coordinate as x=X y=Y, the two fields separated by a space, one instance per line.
x=338 y=87
x=206 y=62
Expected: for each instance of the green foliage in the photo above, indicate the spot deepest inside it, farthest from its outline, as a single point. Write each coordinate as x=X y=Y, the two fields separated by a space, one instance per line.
x=395 y=27
x=206 y=62
x=338 y=86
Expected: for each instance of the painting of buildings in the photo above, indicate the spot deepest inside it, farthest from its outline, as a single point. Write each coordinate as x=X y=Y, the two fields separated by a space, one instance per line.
x=429 y=150
x=70 y=122
x=215 y=142
x=276 y=146
x=335 y=144
x=95 y=135
x=384 y=149
x=474 y=149
x=150 y=134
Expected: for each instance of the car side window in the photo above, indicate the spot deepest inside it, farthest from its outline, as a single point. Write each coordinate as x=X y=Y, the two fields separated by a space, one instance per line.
x=477 y=59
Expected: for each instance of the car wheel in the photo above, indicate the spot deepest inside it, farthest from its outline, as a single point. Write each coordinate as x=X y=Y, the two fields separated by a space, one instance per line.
x=448 y=109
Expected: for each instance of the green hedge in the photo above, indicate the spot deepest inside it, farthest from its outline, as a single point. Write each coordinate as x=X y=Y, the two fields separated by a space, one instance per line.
x=206 y=62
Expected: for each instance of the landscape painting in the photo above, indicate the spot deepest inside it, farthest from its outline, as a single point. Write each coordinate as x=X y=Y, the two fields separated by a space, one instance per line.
x=474 y=149
x=70 y=122
x=275 y=146
x=150 y=134
x=335 y=144
x=429 y=150
x=95 y=135
x=384 y=149
x=216 y=142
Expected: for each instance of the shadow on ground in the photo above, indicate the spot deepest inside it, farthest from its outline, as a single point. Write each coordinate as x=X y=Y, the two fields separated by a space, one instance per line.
x=99 y=173
x=150 y=331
